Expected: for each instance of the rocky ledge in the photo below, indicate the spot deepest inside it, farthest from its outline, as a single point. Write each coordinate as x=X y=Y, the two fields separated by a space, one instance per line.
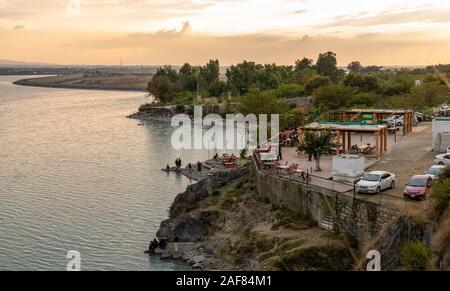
x=188 y=226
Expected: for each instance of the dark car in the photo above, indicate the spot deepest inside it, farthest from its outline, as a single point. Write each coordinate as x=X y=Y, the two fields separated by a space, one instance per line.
x=417 y=187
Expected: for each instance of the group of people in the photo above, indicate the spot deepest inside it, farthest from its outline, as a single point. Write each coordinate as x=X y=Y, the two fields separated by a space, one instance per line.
x=178 y=163
x=190 y=167
x=288 y=138
x=154 y=244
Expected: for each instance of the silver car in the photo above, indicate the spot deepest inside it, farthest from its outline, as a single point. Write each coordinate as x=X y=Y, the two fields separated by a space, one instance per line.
x=435 y=171
x=375 y=182
x=443 y=159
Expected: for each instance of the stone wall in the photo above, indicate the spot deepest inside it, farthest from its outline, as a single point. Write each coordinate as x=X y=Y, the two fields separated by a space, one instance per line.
x=361 y=219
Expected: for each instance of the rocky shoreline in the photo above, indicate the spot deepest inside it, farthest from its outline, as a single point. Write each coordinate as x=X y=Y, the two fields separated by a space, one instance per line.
x=186 y=230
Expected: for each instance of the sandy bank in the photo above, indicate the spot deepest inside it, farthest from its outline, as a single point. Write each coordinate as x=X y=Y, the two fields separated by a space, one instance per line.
x=92 y=81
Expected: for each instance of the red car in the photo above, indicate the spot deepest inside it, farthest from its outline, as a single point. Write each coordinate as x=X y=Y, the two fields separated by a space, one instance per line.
x=417 y=187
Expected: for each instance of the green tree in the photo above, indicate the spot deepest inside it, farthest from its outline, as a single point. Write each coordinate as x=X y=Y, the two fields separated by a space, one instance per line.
x=327 y=66
x=290 y=91
x=415 y=256
x=303 y=64
x=242 y=77
x=354 y=67
x=159 y=88
x=317 y=82
x=317 y=144
x=257 y=102
x=364 y=99
x=363 y=83
x=304 y=76
x=210 y=73
x=189 y=76
x=333 y=97
x=292 y=119
x=399 y=84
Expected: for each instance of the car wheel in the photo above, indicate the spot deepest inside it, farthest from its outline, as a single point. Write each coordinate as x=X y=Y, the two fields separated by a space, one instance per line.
x=392 y=185
x=378 y=190
x=441 y=163
x=399 y=124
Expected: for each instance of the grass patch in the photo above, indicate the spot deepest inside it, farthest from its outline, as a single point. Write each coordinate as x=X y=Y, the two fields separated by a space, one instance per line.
x=415 y=256
x=325 y=258
x=227 y=204
x=289 y=219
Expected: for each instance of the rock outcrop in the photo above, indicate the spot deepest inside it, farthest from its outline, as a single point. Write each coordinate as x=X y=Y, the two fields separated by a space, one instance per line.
x=188 y=226
x=404 y=229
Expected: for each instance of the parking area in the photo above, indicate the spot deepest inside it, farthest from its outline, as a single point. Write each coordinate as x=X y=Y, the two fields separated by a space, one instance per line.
x=407 y=156
x=411 y=156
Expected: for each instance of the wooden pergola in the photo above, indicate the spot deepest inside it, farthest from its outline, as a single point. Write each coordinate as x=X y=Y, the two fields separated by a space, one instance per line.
x=344 y=134
x=380 y=115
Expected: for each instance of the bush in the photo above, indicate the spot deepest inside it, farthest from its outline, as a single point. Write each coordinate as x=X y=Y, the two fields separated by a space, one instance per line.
x=414 y=256
x=316 y=259
x=290 y=91
x=216 y=193
x=441 y=194
x=227 y=204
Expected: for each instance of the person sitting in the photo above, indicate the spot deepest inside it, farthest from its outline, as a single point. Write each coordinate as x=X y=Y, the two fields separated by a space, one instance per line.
x=163 y=244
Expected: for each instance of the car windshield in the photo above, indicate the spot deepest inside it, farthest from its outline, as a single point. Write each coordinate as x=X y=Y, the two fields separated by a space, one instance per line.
x=371 y=178
x=417 y=183
x=434 y=171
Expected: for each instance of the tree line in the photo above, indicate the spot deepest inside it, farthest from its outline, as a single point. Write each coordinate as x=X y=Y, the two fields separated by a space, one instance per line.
x=330 y=86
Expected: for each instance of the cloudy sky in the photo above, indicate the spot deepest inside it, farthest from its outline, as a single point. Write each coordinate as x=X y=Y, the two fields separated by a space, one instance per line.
x=401 y=32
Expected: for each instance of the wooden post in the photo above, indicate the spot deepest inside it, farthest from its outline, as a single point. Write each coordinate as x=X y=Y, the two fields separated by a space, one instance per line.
x=381 y=141
x=338 y=139
x=377 y=143
x=349 y=140
x=385 y=140
x=343 y=142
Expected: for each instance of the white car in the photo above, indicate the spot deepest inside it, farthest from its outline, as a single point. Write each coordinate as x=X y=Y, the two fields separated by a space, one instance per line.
x=448 y=150
x=435 y=171
x=375 y=182
x=443 y=159
x=396 y=120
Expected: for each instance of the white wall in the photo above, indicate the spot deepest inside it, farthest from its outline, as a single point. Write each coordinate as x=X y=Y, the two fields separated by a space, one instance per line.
x=441 y=125
x=348 y=168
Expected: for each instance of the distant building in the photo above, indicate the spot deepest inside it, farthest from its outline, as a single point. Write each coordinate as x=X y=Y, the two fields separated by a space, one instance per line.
x=441 y=133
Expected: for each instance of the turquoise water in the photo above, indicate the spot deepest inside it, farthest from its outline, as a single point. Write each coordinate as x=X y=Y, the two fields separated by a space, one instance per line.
x=75 y=174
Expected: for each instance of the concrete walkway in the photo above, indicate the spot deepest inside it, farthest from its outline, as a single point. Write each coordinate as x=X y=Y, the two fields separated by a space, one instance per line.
x=411 y=156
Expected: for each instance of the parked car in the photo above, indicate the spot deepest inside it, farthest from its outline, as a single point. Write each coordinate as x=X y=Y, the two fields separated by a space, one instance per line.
x=396 y=120
x=448 y=150
x=417 y=187
x=375 y=182
x=435 y=171
x=443 y=159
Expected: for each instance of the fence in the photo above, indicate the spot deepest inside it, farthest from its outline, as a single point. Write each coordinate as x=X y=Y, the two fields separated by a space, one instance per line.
x=340 y=188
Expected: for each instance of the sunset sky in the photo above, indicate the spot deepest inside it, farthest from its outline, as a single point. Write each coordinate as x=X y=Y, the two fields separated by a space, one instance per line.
x=156 y=32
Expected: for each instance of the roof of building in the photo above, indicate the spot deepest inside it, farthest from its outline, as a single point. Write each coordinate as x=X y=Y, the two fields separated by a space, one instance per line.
x=346 y=126
x=381 y=111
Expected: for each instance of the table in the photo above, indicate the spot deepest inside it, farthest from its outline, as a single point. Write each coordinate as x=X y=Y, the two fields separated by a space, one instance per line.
x=364 y=148
x=267 y=157
x=282 y=169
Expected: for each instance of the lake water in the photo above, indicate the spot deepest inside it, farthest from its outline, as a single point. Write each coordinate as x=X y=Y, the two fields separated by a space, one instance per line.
x=76 y=174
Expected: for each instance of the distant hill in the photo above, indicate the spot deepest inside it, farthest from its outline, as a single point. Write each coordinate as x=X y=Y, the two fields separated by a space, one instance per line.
x=13 y=63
